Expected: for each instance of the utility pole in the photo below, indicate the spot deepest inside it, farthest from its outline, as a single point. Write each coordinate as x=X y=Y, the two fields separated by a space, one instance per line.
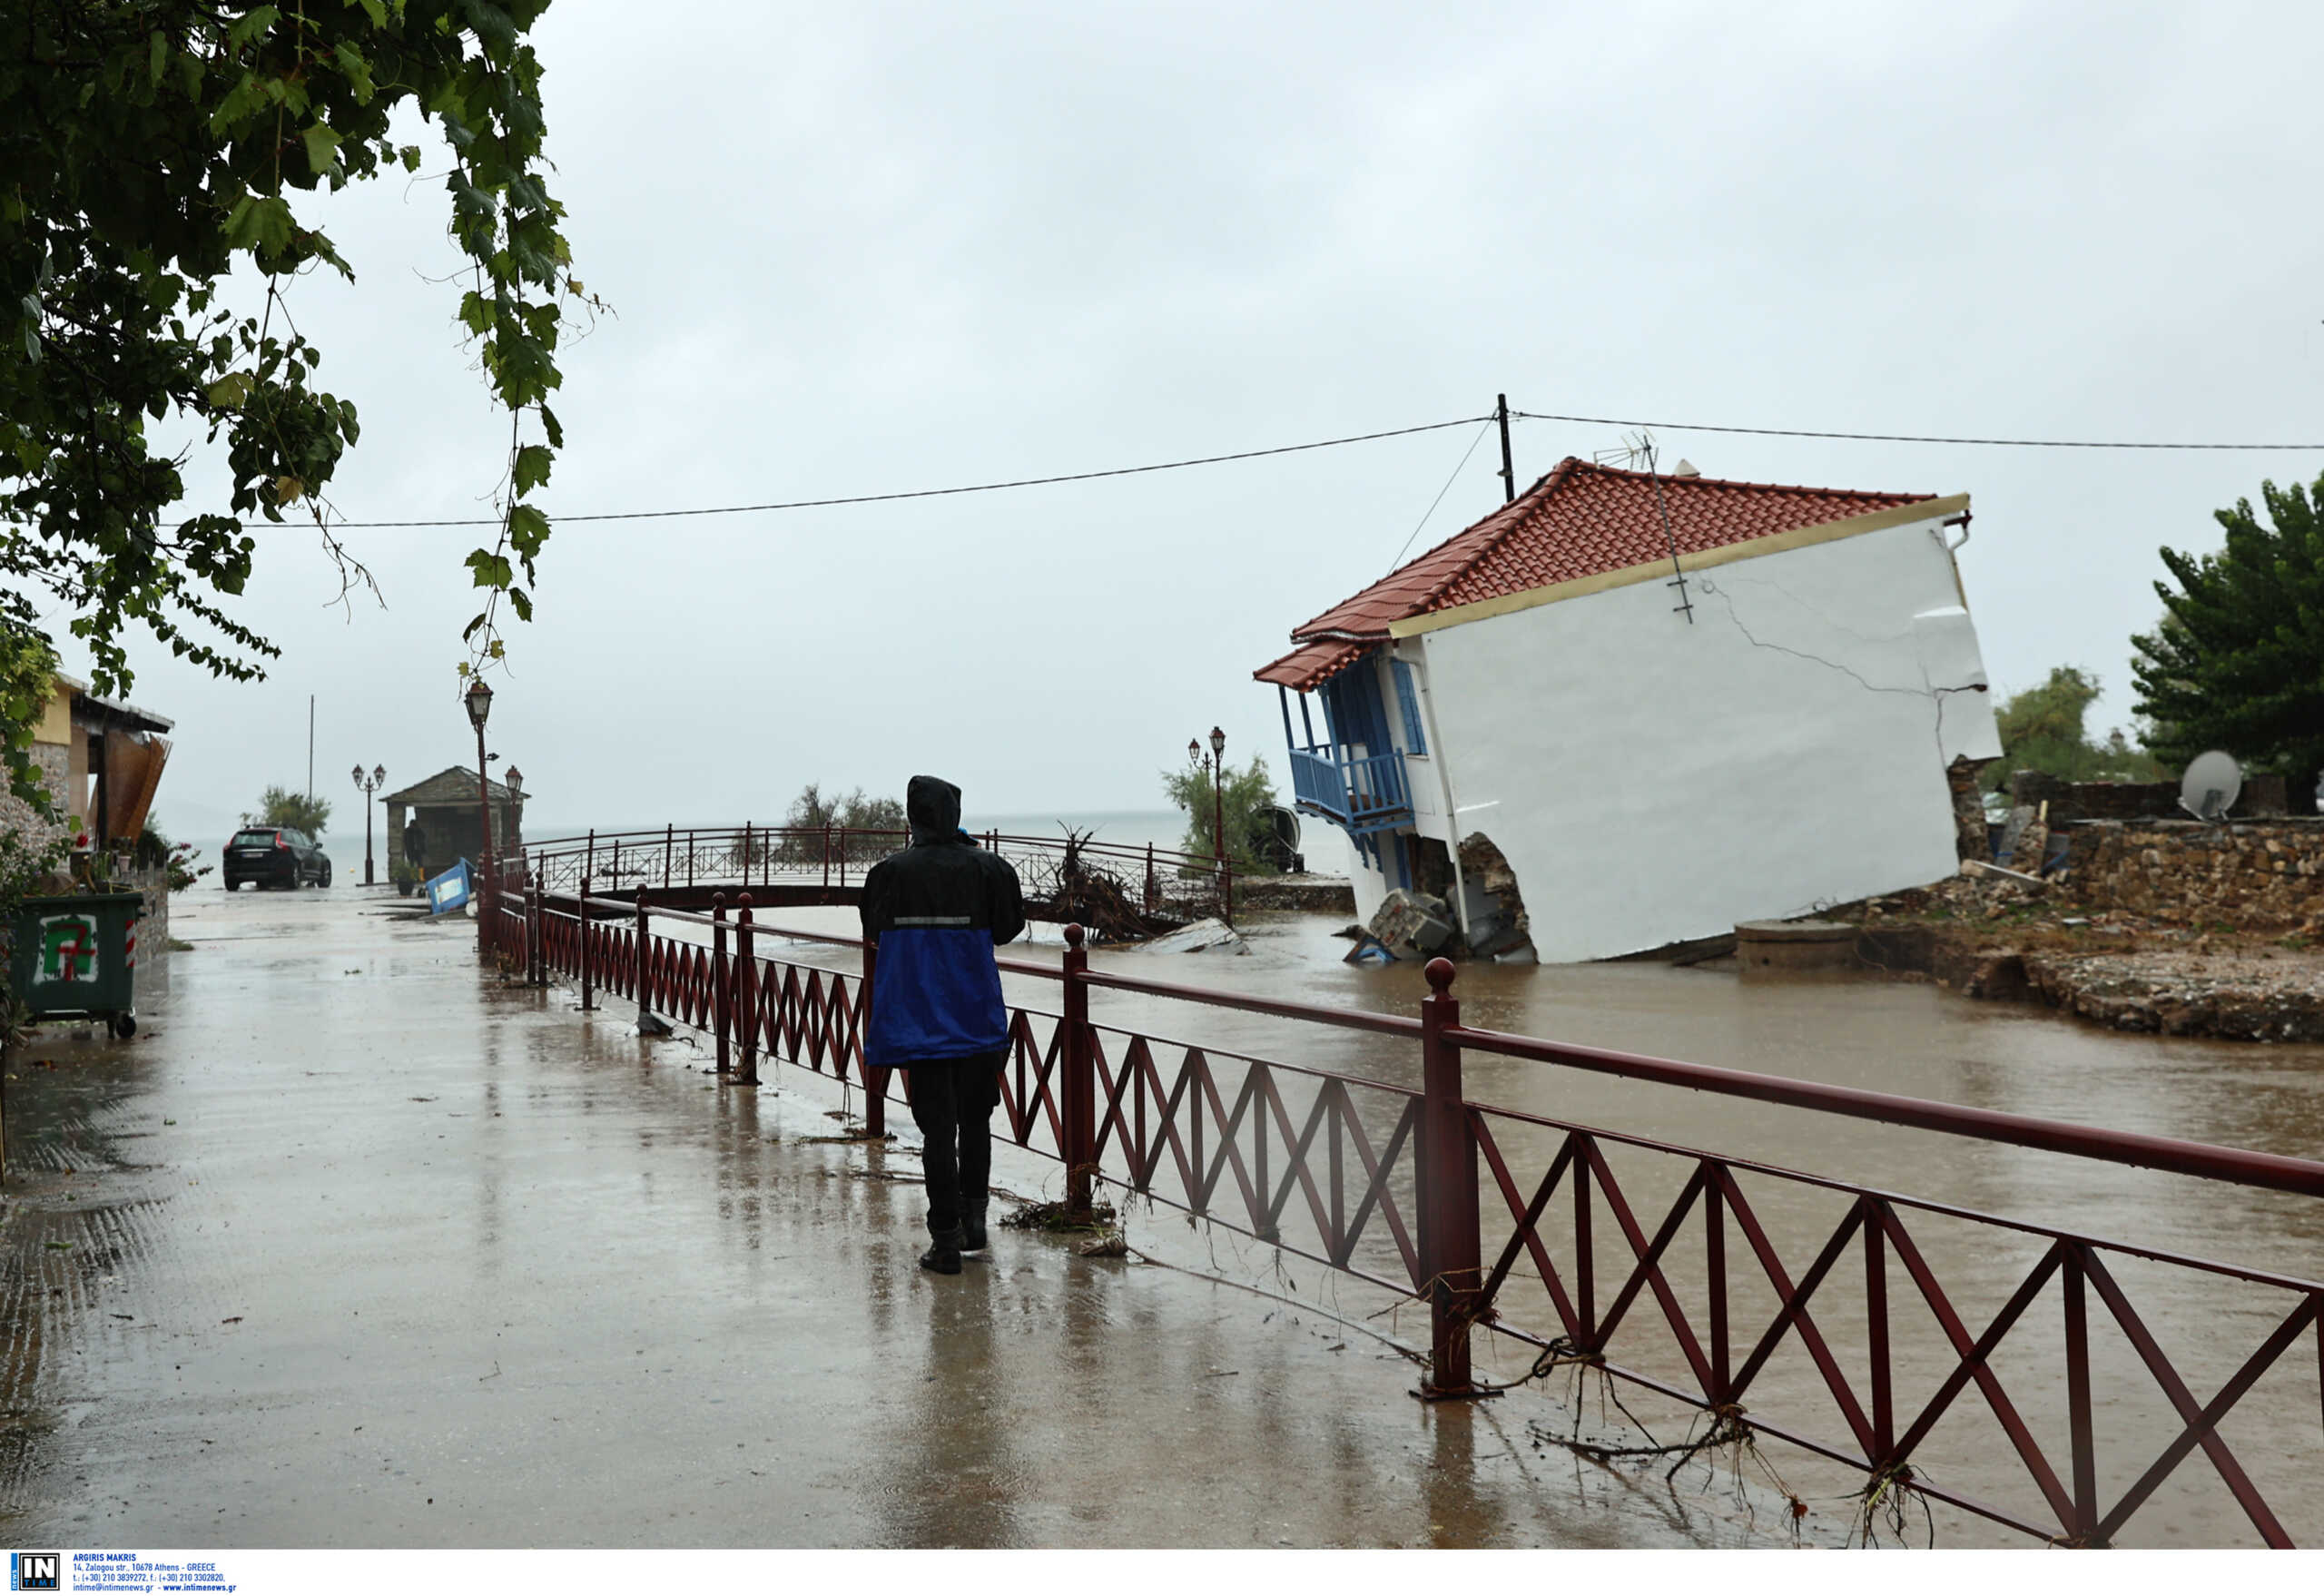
x=1508 y=469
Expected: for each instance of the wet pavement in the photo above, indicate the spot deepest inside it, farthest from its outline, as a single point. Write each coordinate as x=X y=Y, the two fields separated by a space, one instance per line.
x=352 y=1247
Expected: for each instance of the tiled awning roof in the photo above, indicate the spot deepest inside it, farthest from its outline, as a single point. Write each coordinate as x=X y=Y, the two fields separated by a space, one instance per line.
x=1310 y=665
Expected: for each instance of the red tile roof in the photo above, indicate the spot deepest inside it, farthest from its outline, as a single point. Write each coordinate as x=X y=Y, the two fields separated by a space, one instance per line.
x=1311 y=664
x=1581 y=520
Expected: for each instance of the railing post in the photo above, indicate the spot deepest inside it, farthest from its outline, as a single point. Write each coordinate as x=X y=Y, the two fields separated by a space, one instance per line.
x=669 y=837
x=827 y=856
x=1451 y=1269
x=1150 y=884
x=588 y=965
x=875 y=1081
x=1080 y=1086
x=535 y=944
x=746 y=994
x=720 y=997
x=645 y=966
x=746 y=853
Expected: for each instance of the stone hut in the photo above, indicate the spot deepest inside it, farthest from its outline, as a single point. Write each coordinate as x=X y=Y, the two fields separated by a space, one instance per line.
x=444 y=805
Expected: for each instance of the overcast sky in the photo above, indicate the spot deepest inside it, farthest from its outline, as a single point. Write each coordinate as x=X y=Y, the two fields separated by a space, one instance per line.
x=863 y=248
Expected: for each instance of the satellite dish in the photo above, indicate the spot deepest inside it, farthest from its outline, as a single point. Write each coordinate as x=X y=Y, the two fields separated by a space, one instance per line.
x=2211 y=786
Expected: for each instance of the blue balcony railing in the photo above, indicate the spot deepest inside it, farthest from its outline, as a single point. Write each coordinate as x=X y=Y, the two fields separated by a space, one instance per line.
x=1364 y=795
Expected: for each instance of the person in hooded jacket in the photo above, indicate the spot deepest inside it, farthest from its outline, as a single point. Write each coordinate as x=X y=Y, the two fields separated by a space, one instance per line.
x=936 y=911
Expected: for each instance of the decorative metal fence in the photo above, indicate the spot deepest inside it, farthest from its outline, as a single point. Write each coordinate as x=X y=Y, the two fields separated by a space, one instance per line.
x=1647 y=1261
x=835 y=858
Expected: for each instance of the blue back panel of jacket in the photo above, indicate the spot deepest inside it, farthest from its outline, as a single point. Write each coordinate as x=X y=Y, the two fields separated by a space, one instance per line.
x=937 y=995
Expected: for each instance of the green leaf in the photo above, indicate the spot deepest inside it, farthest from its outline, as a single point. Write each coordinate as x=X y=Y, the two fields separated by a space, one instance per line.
x=532 y=467
x=260 y=223
x=527 y=530
x=159 y=53
x=410 y=157
x=550 y=425
x=492 y=570
x=322 y=147
x=521 y=602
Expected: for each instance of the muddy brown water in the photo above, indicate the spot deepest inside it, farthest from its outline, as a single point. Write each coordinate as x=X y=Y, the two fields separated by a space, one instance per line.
x=1915 y=1039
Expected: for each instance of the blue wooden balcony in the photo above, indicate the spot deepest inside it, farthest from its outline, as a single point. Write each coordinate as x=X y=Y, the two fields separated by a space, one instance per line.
x=1362 y=796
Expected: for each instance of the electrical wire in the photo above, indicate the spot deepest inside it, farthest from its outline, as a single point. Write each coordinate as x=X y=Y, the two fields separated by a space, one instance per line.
x=1440 y=492
x=813 y=504
x=1905 y=437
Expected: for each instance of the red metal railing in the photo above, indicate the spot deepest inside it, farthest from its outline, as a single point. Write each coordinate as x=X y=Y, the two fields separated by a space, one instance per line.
x=746 y=856
x=1532 y=1227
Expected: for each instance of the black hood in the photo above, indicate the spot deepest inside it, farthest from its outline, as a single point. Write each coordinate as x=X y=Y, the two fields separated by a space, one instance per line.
x=932 y=808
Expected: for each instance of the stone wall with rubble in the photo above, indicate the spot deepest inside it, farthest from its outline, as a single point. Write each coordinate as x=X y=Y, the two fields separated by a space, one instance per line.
x=2258 y=874
x=2263 y=796
x=54 y=760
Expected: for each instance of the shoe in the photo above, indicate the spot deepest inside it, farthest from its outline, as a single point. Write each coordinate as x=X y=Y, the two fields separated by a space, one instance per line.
x=943 y=1254
x=972 y=1235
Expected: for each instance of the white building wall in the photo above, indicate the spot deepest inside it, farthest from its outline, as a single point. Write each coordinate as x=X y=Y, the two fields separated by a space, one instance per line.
x=1656 y=781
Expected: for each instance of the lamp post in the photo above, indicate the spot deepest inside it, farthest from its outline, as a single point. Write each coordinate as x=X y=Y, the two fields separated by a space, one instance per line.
x=1218 y=822
x=513 y=780
x=479 y=703
x=1217 y=763
x=368 y=786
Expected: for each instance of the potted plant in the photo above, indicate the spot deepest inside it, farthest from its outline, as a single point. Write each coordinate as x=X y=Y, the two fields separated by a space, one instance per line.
x=407 y=879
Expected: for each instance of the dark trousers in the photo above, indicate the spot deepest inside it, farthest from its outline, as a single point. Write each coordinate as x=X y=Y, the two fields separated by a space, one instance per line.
x=953 y=1102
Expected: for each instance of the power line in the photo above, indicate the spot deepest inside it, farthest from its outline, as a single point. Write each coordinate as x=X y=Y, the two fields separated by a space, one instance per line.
x=1440 y=492
x=1905 y=437
x=814 y=504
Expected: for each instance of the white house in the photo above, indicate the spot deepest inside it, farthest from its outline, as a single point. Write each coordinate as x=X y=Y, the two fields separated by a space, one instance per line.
x=1671 y=703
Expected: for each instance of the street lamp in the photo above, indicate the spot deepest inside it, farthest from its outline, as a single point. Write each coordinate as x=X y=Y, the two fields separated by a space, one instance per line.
x=368 y=786
x=479 y=703
x=1217 y=763
x=1218 y=822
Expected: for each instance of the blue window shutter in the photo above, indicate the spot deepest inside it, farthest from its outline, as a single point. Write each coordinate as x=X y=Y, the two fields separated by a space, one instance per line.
x=1408 y=700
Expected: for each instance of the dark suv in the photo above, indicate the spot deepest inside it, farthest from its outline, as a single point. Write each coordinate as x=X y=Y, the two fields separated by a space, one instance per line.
x=275 y=856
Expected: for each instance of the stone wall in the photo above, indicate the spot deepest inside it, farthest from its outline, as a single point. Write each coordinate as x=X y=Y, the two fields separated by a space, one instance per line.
x=154 y=922
x=2263 y=875
x=54 y=760
x=2262 y=796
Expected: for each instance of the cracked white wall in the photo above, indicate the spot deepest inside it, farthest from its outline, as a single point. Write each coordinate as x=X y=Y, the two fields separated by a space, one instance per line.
x=1652 y=781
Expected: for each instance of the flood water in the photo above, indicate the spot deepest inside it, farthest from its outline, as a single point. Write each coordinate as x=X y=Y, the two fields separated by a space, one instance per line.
x=1910 y=1039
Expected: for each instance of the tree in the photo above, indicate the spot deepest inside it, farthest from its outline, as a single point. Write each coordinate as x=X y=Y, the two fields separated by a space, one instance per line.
x=1248 y=793
x=2237 y=661
x=278 y=807
x=2042 y=729
x=154 y=147
x=812 y=810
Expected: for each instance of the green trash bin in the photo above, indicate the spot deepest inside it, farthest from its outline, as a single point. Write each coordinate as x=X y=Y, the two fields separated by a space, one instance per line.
x=76 y=958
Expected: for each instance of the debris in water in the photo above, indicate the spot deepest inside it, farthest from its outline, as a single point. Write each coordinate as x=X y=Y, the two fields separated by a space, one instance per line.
x=1052 y=1216
x=1116 y=1245
x=1204 y=936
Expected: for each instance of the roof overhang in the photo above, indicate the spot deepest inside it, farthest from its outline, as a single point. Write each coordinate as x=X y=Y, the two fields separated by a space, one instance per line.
x=1311 y=664
x=112 y=711
x=1927 y=509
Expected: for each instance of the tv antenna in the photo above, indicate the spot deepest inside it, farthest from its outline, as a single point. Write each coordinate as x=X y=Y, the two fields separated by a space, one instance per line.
x=1637 y=450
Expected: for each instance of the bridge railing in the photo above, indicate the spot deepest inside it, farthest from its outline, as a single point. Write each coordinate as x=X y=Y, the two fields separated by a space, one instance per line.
x=838 y=856
x=1849 y=1321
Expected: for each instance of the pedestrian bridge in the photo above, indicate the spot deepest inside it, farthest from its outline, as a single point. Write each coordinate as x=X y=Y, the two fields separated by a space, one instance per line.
x=1117 y=889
